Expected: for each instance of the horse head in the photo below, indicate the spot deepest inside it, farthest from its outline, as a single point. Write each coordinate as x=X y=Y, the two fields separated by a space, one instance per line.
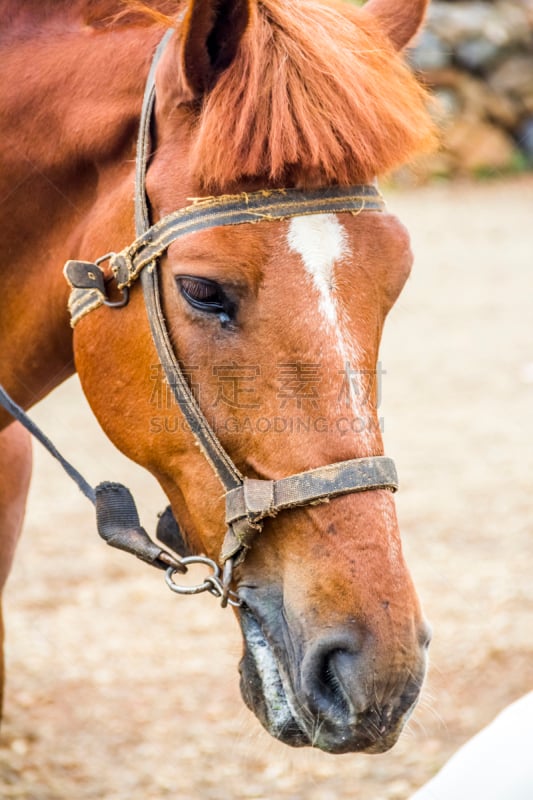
x=277 y=327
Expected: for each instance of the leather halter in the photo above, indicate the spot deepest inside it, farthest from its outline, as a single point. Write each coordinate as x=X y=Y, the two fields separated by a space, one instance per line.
x=248 y=502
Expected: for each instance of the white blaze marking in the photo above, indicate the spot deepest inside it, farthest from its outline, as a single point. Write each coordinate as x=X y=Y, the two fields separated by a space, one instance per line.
x=321 y=241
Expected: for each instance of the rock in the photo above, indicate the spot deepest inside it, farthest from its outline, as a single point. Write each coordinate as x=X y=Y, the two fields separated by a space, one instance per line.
x=462 y=93
x=477 y=54
x=515 y=20
x=501 y=109
x=485 y=103
x=502 y=23
x=477 y=58
x=514 y=76
x=525 y=138
x=480 y=146
x=459 y=21
x=430 y=52
x=448 y=103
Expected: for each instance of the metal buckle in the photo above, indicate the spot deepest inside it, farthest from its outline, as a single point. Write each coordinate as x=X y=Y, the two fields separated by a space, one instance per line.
x=214 y=584
x=125 y=291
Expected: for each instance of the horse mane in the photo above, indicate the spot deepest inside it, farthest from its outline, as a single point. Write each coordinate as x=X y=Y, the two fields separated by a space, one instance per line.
x=315 y=95
x=316 y=92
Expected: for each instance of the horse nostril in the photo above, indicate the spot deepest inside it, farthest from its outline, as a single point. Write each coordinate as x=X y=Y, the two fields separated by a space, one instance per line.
x=425 y=635
x=330 y=679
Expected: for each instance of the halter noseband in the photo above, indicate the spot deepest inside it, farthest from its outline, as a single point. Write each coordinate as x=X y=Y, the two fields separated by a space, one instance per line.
x=248 y=502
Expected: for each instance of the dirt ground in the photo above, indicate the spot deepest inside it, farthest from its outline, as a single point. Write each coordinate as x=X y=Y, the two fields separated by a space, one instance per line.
x=119 y=690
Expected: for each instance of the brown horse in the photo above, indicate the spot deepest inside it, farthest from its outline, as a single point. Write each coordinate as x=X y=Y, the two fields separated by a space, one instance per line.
x=277 y=324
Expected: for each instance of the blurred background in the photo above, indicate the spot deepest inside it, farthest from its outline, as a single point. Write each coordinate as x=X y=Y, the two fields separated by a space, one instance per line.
x=119 y=690
x=477 y=58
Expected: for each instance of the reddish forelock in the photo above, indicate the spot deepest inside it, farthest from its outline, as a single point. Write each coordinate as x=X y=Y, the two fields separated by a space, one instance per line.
x=316 y=95
x=315 y=90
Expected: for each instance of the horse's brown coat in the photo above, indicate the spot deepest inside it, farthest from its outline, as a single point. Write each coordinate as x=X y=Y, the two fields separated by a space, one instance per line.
x=70 y=93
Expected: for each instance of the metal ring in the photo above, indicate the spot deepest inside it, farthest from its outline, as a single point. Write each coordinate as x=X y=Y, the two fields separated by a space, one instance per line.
x=211 y=582
x=119 y=303
x=226 y=595
x=125 y=291
x=234 y=600
x=107 y=257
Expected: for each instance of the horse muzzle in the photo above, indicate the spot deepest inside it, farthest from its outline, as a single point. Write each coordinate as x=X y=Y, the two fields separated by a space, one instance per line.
x=329 y=691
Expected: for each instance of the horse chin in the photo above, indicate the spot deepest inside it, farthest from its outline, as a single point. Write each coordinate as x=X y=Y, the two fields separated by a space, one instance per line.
x=267 y=692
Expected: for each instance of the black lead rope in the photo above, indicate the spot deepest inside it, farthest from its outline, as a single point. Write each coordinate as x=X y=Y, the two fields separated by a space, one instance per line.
x=20 y=415
x=117 y=518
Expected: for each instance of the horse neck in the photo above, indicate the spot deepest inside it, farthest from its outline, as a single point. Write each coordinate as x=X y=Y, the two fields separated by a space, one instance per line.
x=69 y=106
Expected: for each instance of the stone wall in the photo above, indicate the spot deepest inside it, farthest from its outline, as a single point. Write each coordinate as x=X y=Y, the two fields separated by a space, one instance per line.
x=477 y=57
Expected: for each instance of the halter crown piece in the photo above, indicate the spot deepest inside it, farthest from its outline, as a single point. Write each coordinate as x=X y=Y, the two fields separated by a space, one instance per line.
x=248 y=502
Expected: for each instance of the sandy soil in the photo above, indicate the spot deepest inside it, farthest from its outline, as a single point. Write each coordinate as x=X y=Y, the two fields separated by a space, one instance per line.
x=118 y=690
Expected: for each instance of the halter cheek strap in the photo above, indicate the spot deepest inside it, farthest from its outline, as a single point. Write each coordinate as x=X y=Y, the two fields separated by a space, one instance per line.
x=248 y=502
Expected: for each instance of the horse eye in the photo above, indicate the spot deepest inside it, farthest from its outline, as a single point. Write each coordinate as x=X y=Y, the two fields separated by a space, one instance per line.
x=204 y=295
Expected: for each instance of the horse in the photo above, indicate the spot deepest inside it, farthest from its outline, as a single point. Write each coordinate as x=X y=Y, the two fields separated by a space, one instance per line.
x=276 y=324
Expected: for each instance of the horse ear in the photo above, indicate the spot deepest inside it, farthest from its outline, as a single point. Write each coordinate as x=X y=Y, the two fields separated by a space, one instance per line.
x=399 y=19
x=211 y=32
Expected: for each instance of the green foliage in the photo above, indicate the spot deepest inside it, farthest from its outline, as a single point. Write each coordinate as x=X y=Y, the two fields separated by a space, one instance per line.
x=519 y=163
